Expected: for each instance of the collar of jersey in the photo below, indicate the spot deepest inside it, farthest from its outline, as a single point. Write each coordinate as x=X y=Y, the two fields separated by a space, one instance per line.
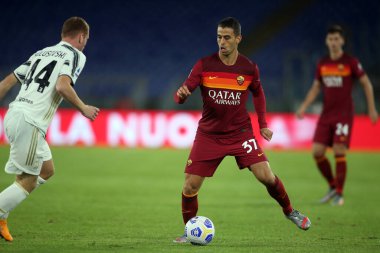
x=68 y=44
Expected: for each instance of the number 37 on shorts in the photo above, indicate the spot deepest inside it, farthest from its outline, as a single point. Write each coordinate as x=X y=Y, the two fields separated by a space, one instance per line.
x=250 y=145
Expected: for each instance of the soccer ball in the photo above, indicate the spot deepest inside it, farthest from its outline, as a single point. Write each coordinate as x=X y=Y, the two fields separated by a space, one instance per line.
x=200 y=230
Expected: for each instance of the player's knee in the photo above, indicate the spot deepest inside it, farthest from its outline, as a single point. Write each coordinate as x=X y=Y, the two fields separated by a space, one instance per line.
x=318 y=151
x=190 y=189
x=267 y=179
x=318 y=154
x=339 y=150
x=47 y=171
x=263 y=173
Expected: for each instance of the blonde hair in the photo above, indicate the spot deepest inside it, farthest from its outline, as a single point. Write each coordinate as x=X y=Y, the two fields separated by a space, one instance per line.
x=74 y=25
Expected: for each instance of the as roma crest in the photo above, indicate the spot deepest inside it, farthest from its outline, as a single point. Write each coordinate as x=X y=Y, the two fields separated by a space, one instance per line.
x=240 y=80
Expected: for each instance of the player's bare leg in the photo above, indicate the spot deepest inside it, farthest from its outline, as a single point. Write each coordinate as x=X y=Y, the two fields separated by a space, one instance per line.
x=323 y=164
x=27 y=181
x=263 y=173
x=340 y=151
x=47 y=171
x=189 y=200
x=276 y=190
x=12 y=197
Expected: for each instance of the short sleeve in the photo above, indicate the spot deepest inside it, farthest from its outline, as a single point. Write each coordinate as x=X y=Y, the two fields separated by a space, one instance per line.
x=357 y=69
x=73 y=65
x=195 y=77
x=21 y=71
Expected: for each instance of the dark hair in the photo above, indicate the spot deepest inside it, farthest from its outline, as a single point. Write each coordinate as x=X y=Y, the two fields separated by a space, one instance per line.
x=336 y=29
x=231 y=22
x=73 y=26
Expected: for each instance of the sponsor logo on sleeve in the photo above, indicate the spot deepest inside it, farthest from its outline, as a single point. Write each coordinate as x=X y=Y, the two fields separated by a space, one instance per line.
x=77 y=72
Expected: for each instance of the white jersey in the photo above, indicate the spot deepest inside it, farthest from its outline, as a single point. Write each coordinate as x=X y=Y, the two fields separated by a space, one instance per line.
x=38 y=98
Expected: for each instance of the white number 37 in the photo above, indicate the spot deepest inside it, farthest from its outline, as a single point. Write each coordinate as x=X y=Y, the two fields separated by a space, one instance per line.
x=247 y=145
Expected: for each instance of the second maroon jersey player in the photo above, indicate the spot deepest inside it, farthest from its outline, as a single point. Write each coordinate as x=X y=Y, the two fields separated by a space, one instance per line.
x=226 y=79
x=335 y=76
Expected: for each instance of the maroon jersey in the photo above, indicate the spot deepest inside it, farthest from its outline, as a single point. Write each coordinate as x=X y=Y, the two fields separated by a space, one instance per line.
x=225 y=91
x=337 y=78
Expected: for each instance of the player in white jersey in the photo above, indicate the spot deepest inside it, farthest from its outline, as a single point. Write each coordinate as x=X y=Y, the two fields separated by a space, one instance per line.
x=46 y=78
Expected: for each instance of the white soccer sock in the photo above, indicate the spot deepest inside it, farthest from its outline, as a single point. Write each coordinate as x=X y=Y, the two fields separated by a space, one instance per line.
x=10 y=198
x=5 y=216
x=40 y=181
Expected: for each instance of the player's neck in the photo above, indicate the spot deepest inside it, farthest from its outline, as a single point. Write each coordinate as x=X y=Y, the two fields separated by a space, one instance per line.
x=230 y=59
x=72 y=41
x=336 y=55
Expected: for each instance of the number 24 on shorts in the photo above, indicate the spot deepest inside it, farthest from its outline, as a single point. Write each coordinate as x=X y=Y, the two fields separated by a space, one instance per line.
x=247 y=145
x=341 y=129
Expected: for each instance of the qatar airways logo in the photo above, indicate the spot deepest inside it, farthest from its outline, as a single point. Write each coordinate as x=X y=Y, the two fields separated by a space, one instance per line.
x=333 y=81
x=225 y=97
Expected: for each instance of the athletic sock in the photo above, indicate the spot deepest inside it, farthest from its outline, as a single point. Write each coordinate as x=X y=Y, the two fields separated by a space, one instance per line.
x=341 y=170
x=10 y=198
x=278 y=192
x=189 y=207
x=40 y=181
x=325 y=168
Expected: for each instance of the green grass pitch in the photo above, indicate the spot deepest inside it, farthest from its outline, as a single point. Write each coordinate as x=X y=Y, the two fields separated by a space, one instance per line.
x=128 y=200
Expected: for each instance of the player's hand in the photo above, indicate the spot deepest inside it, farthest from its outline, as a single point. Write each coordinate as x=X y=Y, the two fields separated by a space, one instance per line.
x=90 y=112
x=300 y=113
x=266 y=133
x=183 y=92
x=373 y=116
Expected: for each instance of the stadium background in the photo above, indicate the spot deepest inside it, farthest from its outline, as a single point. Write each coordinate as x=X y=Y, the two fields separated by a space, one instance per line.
x=128 y=199
x=140 y=51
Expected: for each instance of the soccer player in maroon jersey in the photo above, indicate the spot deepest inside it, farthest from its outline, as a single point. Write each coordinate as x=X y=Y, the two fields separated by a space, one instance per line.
x=335 y=76
x=226 y=78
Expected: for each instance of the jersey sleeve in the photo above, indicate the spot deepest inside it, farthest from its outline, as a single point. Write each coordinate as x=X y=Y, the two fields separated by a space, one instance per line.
x=259 y=100
x=195 y=77
x=193 y=80
x=73 y=65
x=357 y=69
x=21 y=71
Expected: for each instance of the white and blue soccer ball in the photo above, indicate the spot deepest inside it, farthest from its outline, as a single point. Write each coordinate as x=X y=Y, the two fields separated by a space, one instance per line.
x=200 y=230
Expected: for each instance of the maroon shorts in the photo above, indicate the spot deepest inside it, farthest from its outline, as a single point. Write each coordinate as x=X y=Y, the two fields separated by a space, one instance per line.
x=209 y=150
x=330 y=131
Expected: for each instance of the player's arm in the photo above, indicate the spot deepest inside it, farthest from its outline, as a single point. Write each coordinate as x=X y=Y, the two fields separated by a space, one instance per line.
x=368 y=91
x=6 y=84
x=309 y=99
x=65 y=89
x=191 y=83
x=259 y=102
